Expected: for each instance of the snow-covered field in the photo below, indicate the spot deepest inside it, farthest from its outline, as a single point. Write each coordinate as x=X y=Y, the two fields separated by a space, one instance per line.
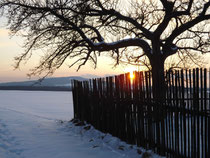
x=35 y=124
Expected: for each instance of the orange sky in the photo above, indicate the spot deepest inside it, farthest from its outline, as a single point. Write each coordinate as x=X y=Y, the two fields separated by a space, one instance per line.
x=9 y=48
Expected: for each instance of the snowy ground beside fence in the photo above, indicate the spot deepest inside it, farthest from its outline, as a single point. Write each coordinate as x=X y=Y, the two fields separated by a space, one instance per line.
x=36 y=125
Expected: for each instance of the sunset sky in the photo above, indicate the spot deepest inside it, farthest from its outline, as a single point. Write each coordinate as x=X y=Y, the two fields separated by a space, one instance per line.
x=11 y=47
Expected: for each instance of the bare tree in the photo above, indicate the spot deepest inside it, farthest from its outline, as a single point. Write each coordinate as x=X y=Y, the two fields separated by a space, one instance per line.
x=83 y=29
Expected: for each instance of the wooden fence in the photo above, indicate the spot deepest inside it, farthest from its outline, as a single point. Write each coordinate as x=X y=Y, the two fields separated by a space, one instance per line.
x=178 y=127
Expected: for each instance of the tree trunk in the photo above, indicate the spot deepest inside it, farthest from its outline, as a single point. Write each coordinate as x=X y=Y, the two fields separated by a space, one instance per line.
x=158 y=79
x=158 y=87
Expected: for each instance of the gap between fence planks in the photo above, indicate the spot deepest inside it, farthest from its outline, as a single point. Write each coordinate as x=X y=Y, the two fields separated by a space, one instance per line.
x=178 y=127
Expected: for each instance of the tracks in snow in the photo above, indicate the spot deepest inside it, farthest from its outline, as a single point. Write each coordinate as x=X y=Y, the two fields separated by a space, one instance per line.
x=8 y=143
x=27 y=113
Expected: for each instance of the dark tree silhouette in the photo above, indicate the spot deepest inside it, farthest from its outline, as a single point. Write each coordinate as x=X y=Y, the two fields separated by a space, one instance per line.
x=83 y=29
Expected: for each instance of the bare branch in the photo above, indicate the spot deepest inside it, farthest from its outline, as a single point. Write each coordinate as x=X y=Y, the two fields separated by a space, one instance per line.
x=82 y=30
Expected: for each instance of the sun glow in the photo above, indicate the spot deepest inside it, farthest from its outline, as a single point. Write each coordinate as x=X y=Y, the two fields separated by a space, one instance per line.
x=132 y=76
x=131 y=70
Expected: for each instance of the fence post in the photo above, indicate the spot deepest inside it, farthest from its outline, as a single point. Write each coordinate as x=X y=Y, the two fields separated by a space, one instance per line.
x=177 y=128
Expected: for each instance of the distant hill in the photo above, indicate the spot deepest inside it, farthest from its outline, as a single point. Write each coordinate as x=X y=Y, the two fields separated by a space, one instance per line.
x=57 y=83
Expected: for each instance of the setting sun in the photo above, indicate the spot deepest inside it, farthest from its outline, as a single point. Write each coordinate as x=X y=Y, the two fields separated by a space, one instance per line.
x=132 y=76
x=131 y=70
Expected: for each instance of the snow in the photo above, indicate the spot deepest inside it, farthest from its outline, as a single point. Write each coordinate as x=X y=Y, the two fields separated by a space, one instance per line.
x=174 y=48
x=99 y=43
x=116 y=42
x=36 y=124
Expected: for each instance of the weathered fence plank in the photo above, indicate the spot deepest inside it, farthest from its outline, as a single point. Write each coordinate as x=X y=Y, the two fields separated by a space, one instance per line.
x=177 y=127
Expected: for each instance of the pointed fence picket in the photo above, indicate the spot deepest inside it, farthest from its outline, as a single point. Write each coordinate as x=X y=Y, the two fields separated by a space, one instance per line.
x=178 y=127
